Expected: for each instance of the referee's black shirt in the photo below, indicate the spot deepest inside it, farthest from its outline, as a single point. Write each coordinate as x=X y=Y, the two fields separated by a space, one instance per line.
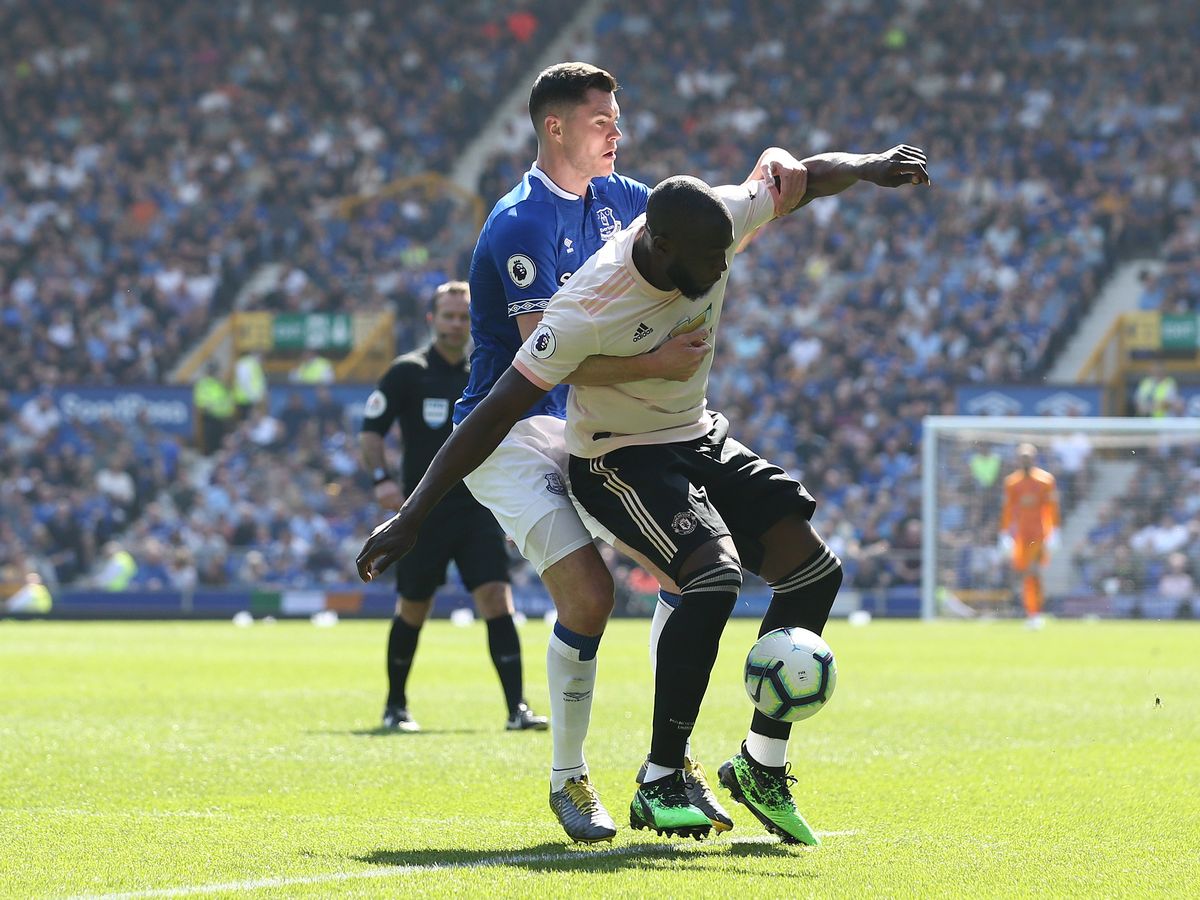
x=419 y=390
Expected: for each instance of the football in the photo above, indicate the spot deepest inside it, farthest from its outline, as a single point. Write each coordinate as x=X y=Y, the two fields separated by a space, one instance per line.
x=790 y=674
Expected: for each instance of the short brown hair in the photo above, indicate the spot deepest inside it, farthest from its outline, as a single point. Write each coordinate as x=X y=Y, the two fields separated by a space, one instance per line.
x=566 y=84
x=448 y=287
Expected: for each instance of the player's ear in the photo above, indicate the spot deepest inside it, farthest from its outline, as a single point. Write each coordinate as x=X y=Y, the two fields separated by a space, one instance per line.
x=553 y=125
x=662 y=246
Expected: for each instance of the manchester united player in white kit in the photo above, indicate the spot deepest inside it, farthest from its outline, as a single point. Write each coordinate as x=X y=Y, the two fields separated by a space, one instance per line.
x=654 y=469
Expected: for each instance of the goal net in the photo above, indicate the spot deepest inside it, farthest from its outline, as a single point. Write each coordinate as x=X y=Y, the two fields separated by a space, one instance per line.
x=1129 y=494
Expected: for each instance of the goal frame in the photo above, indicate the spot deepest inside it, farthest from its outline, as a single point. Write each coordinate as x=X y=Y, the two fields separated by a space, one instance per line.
x=1015 y=428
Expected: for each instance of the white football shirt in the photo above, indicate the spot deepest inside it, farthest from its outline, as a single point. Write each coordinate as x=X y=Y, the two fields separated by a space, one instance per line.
x=608 y=308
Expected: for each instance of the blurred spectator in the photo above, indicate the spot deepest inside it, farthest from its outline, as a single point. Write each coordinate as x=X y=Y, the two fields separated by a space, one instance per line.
x=214 y=406
x=905 y=557
x=1157 y=394
x=264 y=429
x=1073 y=453
x=39 y=415
x=181 y=570
x=117 y=569
x=249 y=383
x=312 y=369
x=1177 y=582
x=33 y=597
x=293 y=416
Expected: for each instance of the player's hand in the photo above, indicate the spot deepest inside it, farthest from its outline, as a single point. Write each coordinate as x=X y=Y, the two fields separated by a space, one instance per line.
x=787 y=182
x=388 y=542
x=900 y=165
x=680 y=357
x=388 y=495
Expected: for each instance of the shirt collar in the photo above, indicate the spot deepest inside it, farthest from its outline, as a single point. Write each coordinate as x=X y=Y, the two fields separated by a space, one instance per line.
x=541 y=176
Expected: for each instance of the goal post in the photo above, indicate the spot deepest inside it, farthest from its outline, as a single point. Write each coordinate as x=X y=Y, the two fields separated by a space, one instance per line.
x=1130 y=498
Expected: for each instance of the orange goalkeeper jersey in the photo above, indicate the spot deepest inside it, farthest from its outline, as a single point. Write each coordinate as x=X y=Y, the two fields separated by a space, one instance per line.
x=1030 y=505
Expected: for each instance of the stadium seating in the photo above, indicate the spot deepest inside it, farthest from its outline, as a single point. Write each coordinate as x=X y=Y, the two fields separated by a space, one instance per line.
x=1057 y=147
x=144 y=177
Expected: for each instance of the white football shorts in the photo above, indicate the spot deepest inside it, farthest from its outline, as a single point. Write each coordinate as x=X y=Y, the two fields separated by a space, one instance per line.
x=524 y=482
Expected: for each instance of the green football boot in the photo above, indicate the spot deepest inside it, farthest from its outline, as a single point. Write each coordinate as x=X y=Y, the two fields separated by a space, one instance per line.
x=662 y=806
x=766 y=793
x=699 y=793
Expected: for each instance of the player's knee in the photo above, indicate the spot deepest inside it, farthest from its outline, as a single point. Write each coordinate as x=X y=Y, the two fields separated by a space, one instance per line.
x=713 y=587
x=582 y=589
x=413 y=612
x=715 y=553
x=814 y=583
x=593 y=605
x=493 y=600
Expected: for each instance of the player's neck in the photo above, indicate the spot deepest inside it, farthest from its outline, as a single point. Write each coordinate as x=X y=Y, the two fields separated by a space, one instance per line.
x=561 y=172
x=644 y=263
x=449 y=353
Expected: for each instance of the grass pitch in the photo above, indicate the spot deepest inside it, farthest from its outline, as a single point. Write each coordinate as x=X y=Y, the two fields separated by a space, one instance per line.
x=955 y=759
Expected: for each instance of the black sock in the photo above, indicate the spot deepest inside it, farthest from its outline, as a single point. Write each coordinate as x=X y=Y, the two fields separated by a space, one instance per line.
x=505 y=647
x=402 y=646
x=802 y=598
x=687 y=650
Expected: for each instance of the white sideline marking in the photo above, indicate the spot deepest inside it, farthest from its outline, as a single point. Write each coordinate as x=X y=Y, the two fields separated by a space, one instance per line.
x=504 y=859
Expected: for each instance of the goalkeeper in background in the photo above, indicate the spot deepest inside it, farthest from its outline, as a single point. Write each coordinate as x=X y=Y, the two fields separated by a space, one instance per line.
x=1029 y=524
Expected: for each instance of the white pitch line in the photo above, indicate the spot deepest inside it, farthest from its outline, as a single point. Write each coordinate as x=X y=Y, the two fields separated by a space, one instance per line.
x=506 y=859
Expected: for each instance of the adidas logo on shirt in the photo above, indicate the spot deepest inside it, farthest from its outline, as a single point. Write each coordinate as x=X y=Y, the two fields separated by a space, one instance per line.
x=643 y=330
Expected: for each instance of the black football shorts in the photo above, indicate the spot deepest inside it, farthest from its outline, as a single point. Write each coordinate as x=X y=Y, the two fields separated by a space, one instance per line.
x=460 y=530
x=667 y=500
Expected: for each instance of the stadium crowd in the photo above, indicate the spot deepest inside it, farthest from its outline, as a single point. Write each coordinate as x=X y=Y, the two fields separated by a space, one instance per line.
x=153 y=155
x=143 y=179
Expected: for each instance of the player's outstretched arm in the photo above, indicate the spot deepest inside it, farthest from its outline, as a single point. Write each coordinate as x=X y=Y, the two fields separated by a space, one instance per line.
x=832 y=173
x=469 y=445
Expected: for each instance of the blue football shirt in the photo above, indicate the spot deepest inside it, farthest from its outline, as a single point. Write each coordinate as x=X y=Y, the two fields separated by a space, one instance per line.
x=535 y=238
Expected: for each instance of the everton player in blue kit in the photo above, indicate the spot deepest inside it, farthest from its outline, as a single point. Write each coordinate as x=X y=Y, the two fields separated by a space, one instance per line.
x=565 y=208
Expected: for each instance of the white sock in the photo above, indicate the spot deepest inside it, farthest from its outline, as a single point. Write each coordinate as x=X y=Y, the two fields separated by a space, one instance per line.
x=654 y=772
x=568 y=677
x=662 y=612
x=767 y=751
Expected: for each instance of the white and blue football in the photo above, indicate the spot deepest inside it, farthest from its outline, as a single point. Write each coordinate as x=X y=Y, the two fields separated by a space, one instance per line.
x=790 y=674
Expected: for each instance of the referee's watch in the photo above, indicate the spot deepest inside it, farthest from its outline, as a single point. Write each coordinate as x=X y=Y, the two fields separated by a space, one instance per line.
x=379 y=475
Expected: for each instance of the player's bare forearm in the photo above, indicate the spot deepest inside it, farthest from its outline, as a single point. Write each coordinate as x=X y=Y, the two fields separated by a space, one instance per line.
x=600 y=371
x=832 y=173
x=474 y=440
x=675 y=360
x=371 y=451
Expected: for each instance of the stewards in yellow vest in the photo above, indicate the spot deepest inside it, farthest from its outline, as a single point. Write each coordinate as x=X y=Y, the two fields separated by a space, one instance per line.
x=313 y=369
x=118 y=569
x=249 y=383
x=32 y=598
x=1157 y=394
x=214 y=406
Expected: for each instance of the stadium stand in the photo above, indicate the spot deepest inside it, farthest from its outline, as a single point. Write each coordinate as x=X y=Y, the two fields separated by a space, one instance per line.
x=142 y=182
x=145 y=175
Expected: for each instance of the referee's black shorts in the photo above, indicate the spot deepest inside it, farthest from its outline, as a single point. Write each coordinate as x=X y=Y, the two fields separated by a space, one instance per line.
x=667 y=500
x=461 y=530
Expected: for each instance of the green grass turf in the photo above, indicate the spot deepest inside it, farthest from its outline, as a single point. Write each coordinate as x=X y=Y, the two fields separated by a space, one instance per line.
x=955 y=759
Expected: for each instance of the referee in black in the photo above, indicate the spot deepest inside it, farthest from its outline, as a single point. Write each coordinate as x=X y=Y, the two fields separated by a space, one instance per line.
x=419 y=391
